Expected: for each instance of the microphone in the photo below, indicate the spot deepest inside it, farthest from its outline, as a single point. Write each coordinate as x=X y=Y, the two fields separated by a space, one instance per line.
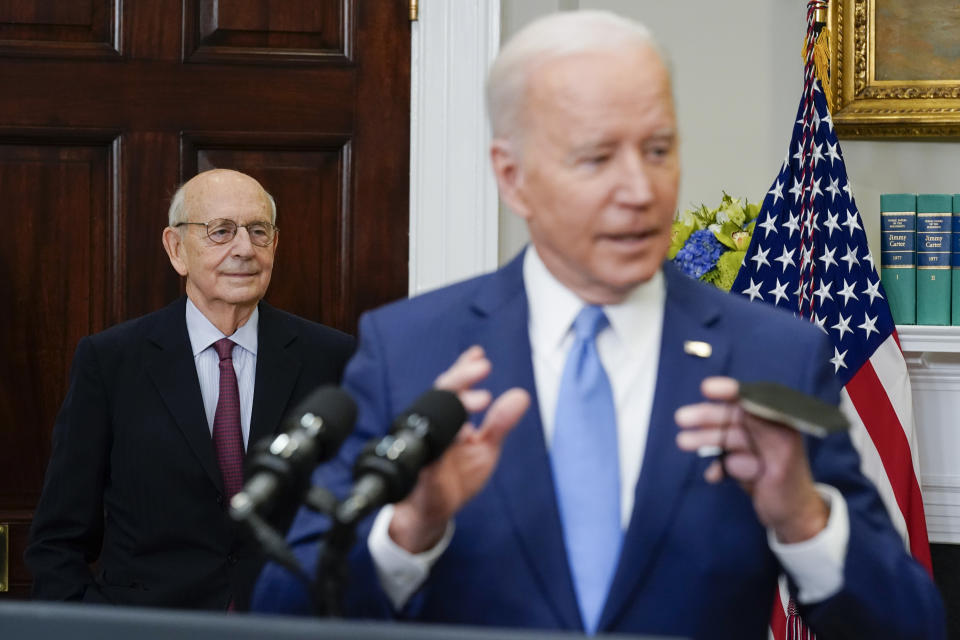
x=387 y=470
x=282 y=467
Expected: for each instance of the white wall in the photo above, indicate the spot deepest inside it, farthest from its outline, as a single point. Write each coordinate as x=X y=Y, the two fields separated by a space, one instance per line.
x=738 y=77
x=513 y=15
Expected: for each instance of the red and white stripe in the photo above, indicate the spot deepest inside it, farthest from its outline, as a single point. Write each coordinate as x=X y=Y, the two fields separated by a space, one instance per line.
x=879 y=405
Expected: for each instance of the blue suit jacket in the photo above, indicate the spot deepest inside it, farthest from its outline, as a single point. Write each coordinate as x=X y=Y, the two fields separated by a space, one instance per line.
x=695 y=559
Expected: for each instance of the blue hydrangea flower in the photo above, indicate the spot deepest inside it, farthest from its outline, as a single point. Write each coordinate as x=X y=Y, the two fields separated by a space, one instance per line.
x=699 y=254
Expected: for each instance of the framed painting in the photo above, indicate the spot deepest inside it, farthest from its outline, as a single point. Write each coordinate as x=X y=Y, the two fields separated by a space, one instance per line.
x=895 y=68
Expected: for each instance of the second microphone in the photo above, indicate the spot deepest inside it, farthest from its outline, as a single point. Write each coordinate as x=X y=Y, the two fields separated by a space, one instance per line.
x=387 y=469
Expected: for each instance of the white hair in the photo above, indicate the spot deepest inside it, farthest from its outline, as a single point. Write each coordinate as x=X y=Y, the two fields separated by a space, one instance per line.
x=178 y=213
x=553 y=36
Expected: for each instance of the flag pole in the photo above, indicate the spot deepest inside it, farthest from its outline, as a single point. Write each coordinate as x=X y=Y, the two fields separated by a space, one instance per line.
x=820 y=17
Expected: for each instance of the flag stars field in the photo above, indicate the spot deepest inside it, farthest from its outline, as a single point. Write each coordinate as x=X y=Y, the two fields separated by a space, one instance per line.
x=831 y=223
x=838 y=359
x=847 y=292
x=827 y=259
x=761 y=258
x=850 y=258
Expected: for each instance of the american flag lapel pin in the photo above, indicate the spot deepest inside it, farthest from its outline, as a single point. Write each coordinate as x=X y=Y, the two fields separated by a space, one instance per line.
x=697 y=348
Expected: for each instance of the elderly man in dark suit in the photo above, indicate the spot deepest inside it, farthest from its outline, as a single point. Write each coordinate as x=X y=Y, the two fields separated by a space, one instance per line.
x=149 y=443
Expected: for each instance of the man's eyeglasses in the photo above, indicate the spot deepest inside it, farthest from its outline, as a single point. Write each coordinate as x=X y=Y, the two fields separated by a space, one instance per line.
x=222 y=231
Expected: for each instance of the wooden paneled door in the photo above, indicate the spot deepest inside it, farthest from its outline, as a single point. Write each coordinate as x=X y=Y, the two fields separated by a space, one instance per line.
x=107 y=105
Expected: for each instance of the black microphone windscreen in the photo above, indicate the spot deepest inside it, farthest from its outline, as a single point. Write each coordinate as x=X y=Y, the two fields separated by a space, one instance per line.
x=445 y=414
x=337 y=410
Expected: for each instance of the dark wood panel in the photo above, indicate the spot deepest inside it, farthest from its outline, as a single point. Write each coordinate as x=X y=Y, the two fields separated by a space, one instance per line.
x=322 y=20
x=79 y=28
x=17 y=574
x=48 y=13
x=142 y=95
x=152 y=29
x=149 y=174
x=305 y=177
x=383 y=106
x=275 y=31
x=316 y=105
x=55 y=269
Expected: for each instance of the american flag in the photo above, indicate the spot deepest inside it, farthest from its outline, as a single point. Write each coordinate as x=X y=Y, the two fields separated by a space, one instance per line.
x=809 y=254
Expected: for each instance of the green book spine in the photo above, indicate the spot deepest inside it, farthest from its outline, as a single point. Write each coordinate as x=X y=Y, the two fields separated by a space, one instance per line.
x=955 y=262
x=934 y=218
x=898 y=256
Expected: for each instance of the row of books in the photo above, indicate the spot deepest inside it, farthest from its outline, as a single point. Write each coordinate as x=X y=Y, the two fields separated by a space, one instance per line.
x=920 y=257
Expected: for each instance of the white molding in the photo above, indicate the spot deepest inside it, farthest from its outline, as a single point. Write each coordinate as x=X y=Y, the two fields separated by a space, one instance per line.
x=933 y=363
x=453 y=195
x=931 y=370
x=919 y=338
x=941 y=505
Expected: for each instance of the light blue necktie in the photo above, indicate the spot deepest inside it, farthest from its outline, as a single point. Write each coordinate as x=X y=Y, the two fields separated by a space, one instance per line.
x=586 y=468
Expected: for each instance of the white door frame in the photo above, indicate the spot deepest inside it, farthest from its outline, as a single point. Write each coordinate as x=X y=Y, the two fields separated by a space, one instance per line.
x=453 y=195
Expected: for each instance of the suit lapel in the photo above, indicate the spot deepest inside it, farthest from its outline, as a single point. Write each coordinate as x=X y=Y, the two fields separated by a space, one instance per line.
x=278 y=368
x=523 y=480
x=667 y=470
x=169 y=362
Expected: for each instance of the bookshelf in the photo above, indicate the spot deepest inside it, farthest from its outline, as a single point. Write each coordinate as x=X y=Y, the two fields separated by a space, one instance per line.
x=933 y=363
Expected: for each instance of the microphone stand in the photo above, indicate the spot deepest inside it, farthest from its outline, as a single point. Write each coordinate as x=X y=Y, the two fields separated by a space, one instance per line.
x=325 y=594
x=331 y=572
x=332 y=569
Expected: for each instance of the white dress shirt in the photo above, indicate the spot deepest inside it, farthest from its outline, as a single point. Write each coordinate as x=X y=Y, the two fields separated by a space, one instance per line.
x=202 y=336
x=629 y=349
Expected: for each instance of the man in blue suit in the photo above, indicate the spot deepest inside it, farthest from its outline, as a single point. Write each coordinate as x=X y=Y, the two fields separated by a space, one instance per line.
x=512 y=525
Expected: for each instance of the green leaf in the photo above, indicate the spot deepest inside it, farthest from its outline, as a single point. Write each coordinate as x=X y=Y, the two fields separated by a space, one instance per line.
x=724 y=233
x=679 y=233
x=711 y=277
x=727 y=268
x=703 y=217
x=732 y=210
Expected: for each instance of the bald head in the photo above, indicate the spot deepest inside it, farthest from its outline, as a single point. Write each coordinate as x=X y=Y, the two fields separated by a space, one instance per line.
x=221 y=238
x=210 y=186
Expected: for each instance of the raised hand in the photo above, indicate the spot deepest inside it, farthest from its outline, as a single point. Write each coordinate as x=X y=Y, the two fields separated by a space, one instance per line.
x=449 y=483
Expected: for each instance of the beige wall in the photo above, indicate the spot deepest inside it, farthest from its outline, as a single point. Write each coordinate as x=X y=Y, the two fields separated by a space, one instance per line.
x=738 y=77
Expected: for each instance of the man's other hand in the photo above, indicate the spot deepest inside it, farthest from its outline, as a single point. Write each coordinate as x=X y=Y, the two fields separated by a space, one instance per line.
x=768 y=459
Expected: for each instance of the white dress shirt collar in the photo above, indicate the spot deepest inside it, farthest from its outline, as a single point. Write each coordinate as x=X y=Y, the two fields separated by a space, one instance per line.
x=553 y=307
x=203 y=334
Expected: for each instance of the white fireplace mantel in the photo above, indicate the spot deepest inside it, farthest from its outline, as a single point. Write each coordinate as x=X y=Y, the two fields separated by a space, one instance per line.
x=933 y=361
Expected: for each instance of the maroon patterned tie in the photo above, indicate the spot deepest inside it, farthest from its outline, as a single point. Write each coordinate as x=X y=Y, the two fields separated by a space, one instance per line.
x=227 y=437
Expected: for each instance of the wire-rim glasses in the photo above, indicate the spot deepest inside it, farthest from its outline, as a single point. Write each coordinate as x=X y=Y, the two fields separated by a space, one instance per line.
x=223 y=230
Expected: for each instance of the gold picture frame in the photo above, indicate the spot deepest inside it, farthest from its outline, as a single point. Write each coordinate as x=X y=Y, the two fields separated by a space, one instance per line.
x=912 y=88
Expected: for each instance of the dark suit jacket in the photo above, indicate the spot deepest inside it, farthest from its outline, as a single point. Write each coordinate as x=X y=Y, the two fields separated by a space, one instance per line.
x=133 y=487
x=695 y=559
